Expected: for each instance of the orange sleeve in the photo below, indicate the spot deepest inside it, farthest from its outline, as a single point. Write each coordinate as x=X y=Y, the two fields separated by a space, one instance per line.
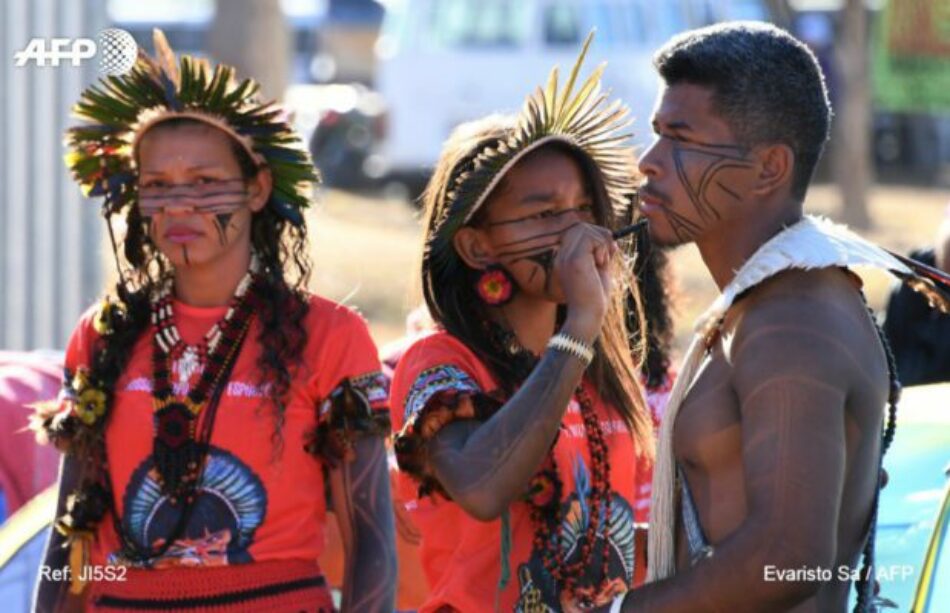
x=351 y=390
x=438 y=381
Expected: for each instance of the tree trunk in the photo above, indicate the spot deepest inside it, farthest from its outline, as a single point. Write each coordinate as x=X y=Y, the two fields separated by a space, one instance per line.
x=852 y=150
x=253 y=36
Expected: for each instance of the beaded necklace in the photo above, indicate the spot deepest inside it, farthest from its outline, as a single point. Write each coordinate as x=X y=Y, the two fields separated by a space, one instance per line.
x=546 y=489
x=179 y=445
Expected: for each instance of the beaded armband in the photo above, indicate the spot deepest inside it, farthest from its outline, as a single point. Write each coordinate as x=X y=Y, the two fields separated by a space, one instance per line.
x=347 y=415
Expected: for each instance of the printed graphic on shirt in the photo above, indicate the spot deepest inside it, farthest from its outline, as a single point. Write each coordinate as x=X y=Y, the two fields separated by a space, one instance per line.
x=537 y=588
x=230 y=505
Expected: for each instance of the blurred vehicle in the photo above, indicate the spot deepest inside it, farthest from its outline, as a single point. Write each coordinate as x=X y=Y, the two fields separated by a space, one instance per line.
x=911 y=502
x=443 y=62
x=933 y=587
x=346 y=33
x=341 y=123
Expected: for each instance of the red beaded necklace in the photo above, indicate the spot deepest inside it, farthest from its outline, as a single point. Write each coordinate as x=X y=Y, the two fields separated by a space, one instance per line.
x=179 y=447
x=550 y=526
x=546 y=489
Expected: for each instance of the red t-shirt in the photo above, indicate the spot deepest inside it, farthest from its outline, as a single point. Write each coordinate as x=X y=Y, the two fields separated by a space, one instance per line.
x=461 y=556
x=254 y=504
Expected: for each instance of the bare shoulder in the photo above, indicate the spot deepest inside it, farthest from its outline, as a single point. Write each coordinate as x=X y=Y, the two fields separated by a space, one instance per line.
x=804 y=323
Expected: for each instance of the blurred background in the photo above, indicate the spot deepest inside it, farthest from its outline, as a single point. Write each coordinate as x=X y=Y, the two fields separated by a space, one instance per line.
x=377 y=85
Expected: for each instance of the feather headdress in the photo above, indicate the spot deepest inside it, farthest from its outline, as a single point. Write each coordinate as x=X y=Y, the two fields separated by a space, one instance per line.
x=583 y=118
x=120 y=109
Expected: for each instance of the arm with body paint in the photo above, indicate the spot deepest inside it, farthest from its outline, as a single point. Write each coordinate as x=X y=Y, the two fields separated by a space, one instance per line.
x=793 y=364
x=359 y=491
x=485 y=466
x=53 y=595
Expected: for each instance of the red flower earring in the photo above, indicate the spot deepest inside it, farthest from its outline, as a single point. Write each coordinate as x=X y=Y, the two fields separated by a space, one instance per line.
x=495 y=286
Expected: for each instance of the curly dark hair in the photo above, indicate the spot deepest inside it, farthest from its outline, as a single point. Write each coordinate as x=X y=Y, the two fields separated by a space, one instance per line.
x=285 y=270
x=766 y=85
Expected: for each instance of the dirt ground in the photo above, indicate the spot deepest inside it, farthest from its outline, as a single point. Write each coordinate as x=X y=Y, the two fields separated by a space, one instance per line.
x=366 y=252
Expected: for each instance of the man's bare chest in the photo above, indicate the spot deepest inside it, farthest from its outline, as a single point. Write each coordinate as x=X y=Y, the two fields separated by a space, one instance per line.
x=707 y=430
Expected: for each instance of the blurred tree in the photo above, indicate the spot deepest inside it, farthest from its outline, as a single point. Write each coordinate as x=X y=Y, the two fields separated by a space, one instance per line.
x=852 y=126
x=253 y=36
x=780 y=12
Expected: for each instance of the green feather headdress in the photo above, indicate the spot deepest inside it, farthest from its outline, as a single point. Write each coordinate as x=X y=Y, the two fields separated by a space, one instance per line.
x=120 y=109
x=583 y=118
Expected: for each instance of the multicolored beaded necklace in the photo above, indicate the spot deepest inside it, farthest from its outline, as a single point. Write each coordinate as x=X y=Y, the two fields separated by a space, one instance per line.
x=544 y=498
x=179 y=444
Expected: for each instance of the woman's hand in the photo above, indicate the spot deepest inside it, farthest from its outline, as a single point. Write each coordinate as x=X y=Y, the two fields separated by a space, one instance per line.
x=583 y=267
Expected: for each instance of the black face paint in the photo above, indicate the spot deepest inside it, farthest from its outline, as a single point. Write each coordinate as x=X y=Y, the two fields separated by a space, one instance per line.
x=148 y=227
x=184 y=250
x=708 y=162
x=534 y=217
x=545 y=262
x=221 y=223
x=542 y=255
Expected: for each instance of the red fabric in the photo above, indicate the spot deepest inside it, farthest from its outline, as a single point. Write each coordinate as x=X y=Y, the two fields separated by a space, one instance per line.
x=255 y=506
x=208 y=585
x=460 y=555
x=25 y=467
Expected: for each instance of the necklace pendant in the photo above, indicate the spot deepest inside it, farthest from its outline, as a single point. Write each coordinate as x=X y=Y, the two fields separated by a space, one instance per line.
x=187 y=365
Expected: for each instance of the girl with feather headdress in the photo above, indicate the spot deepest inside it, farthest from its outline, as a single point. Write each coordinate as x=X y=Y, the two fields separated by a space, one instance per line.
x=212 y=402
x=523 y=436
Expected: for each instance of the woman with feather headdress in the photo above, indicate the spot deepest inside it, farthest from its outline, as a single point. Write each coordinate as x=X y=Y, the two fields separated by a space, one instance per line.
x=520 y=419
x=210 y=405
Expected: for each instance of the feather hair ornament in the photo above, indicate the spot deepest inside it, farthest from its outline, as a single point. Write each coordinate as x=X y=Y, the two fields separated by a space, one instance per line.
x=119 y=110
x=582 y=117
x=811 y=243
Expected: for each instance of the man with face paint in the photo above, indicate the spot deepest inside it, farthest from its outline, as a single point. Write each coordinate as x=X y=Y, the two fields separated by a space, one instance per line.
x=769 y=454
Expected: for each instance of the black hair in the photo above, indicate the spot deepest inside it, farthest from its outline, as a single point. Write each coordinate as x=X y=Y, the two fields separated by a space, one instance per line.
x=766 y=85
x=448 y=283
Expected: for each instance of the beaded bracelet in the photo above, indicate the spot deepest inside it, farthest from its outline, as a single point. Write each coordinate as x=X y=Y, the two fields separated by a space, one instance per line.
x=568 y=344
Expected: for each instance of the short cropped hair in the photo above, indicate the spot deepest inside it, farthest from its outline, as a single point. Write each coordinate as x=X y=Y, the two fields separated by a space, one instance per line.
x=766 y=85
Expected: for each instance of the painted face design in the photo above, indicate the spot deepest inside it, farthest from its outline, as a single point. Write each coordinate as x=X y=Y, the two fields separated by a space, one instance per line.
x=540 y=246
x=217 y=198
x=702 y=171
x=542 y=197
x=696 y=173
x=195 y=202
